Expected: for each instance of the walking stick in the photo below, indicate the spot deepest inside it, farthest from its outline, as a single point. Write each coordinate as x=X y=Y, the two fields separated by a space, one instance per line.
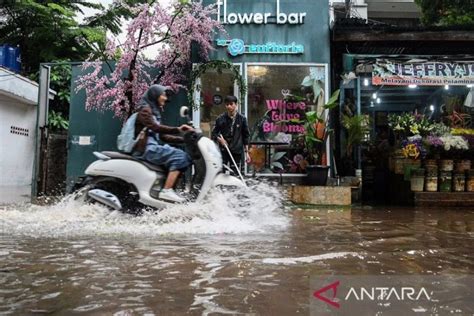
x=235 y=164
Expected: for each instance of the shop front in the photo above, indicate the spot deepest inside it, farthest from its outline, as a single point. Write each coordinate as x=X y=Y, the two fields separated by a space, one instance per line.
x=416 y=134
x=280 y=49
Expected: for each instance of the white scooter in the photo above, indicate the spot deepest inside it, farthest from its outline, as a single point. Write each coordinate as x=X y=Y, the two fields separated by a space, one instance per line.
x=125 y=183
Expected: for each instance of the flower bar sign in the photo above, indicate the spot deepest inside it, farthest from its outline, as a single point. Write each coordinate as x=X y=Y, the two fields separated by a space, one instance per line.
x=393 y=73
x=237 y=46
x=258 y=17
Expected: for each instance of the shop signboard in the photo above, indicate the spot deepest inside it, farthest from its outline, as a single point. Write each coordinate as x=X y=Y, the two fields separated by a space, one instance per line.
x=237 y=46
x=277 y=17
x=422 y=73
x=285 y=31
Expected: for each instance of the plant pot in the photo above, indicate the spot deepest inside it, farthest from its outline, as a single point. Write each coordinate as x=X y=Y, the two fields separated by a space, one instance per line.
x=446 y=165
x=431 y=163
x=445 y=181
x=317 y=175
x=417 y=183
x=470 y=181
x=459 y=182
x=431 y=183
x=397 y=161
x=431 y=167
x=398 y=165
x=461 y=166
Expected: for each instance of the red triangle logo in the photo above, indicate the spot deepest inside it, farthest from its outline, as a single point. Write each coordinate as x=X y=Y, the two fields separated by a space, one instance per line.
x=330 y=301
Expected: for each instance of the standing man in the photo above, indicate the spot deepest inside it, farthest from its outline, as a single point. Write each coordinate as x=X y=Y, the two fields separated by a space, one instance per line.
x=232 y=129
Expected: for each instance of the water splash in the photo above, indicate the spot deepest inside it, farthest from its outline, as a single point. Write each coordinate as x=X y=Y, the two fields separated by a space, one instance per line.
x=255 y=209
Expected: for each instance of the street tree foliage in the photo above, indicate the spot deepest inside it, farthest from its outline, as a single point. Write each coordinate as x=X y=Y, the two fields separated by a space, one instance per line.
x=50 y=31
x=446 y=12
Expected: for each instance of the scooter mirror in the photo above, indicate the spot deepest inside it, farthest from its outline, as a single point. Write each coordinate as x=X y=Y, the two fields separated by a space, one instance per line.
x=184 y=112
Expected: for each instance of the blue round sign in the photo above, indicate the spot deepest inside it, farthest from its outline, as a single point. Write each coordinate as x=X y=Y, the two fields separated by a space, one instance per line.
x=236 y=47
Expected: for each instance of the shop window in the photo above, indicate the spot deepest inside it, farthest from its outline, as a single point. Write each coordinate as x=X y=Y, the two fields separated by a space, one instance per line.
x=278 y=97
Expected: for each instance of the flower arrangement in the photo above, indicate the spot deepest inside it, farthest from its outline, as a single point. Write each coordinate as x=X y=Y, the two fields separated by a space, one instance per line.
x=434 y=145
x=421 y=138
x=462 y=131
x=459 y=120
x=413 y=147
x=298 y=163
x=452 y=142
x=468 y=135
x=440 y=129
x=434 y=141
x=409 y=124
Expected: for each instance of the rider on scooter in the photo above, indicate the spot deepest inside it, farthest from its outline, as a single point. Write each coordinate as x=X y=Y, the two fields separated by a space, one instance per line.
x=149 y=146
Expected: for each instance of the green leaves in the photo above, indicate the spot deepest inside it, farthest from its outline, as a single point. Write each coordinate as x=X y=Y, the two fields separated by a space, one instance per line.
x=48 y=31
x=446 y=12
x=357 y=126
x=310 y=138
x=57 y=122
x=332 y=103
x=277 y=156
x=317 y=130
x=312 y=117
x=61 y=10
x=274 y=163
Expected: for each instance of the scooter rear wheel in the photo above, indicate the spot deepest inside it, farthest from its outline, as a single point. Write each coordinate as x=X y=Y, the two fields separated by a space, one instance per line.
x=125 y=192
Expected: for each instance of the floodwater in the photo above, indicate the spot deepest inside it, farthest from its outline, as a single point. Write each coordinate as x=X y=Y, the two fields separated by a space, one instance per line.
x=237 y=253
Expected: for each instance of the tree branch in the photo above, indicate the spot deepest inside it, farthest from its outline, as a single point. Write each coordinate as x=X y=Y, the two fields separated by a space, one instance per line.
x=129 y=92
x=158 y=78
x=156 y=42
x=167 y=31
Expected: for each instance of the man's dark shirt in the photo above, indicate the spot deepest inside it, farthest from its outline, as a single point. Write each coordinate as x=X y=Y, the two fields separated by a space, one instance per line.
x=236 y=137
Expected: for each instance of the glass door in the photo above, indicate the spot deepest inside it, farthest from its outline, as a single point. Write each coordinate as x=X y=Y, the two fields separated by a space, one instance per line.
x=211 y=90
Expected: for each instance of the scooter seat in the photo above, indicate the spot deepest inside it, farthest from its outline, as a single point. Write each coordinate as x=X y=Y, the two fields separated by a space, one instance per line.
x=117 y=155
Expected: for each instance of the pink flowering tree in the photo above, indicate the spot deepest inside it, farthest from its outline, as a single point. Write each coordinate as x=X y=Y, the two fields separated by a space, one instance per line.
x=171 y=31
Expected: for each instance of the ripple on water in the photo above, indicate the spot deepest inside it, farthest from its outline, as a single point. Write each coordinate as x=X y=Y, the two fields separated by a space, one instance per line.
x=87 y=308
x=309 y=259
x=50 y=296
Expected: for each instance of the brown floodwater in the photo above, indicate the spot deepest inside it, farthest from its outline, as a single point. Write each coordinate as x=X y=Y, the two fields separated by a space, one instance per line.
x=71 y=259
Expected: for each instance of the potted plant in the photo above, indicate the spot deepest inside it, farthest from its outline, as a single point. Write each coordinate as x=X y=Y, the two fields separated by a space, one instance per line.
x=357 y=127
x=315 y=136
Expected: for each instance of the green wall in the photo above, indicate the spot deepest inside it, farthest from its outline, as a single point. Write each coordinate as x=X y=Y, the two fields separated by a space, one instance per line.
x=103 y=127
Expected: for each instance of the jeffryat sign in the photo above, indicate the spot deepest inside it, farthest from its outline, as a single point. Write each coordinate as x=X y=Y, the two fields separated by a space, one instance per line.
x=259 y=17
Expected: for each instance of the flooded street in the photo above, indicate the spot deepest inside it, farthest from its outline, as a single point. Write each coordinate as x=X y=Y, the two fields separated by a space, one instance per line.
x=249 y=255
